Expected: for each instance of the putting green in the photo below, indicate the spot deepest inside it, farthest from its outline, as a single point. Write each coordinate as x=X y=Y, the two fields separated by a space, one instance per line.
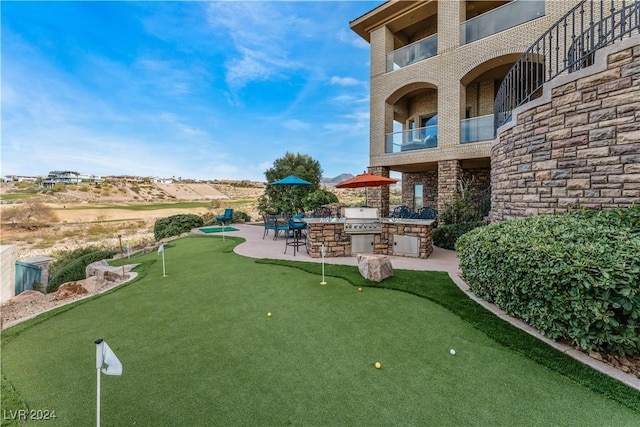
x=198 y=349
x=217 y=229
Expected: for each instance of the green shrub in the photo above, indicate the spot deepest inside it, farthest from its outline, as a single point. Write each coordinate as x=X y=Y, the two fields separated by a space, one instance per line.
x=573 y=277
x=76 y=270
x=240 y=216
x=176 y=225
x=447 y=235
x=64 y=258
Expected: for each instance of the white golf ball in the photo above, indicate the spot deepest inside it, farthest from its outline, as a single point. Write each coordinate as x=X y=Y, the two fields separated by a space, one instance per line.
x=452 y=352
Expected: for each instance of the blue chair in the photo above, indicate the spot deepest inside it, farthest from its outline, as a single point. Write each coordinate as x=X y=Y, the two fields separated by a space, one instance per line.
x=270 y=223
x=428 y=213
x=282 y=225
x=226 y=218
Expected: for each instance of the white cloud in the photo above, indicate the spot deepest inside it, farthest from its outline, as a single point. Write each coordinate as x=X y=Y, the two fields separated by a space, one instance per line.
x=260 y=33
x=346 y=81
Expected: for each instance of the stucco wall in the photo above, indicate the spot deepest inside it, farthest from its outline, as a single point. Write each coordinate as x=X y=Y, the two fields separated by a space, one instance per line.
x=7 y=272
x=578 y=146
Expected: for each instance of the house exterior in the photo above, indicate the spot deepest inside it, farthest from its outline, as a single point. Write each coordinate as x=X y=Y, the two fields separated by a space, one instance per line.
x=69 y=177
x=436 y=67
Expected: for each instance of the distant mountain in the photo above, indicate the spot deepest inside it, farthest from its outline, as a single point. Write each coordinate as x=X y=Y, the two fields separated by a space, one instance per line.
x=336 y=180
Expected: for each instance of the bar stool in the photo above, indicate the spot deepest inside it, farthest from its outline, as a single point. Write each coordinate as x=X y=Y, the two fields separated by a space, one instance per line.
x=295 y=236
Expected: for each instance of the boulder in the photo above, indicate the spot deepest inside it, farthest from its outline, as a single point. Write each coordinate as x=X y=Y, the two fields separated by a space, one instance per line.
x=375 y=267
x=28 y=295
x=103 y=271
x=68 y=290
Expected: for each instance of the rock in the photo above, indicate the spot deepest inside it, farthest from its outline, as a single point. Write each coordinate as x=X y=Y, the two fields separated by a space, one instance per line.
x=26 y=296
x=68 y=290
x=104 y=271
x=92 y=284
x=375 y=267
x=596 y=355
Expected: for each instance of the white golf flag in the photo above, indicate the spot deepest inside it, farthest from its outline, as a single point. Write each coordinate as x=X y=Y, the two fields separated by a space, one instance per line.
x=161 y=248
x=106 y=359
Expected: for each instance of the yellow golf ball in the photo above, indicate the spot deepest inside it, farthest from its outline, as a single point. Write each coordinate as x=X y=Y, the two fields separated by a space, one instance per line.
x=269 y=314
x=378 y=365
x=359 y=289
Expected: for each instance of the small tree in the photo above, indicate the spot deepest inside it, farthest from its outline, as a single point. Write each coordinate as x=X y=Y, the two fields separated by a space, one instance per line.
x=30 y=215
x=285 y=198
x=462 y=208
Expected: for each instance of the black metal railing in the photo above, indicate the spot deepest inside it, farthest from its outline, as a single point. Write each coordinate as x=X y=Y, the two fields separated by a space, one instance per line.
x=569 y=45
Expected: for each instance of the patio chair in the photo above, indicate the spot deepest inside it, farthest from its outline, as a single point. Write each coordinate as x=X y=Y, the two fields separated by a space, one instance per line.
x=428 y=213
x=322 y=212
x=270 y=223
x=225 y=218
x=403 y=211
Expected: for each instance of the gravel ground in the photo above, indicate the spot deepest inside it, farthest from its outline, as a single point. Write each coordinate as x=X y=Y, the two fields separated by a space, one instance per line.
x=31 y=303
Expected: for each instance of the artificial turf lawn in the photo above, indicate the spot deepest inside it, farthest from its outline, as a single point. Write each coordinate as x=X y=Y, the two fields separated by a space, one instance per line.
x=198 y=349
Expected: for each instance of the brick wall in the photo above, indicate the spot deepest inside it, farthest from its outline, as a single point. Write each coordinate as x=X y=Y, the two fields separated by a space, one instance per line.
x=578 y=146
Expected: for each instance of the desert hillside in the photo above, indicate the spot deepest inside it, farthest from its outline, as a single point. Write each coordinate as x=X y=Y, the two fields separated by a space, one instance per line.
x=97 y=214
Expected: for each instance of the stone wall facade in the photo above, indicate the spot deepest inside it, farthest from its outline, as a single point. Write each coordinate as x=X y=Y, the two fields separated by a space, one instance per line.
x=428 y=179
x=449 y=172
x=577 y=146
x=338 y=243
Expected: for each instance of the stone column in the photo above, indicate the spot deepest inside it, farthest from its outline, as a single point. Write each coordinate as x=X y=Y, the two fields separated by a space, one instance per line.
x=449 y=172
x=378 y=197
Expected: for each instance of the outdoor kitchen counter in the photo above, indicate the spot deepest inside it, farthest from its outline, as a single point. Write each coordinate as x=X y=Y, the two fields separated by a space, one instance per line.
x=396 y=234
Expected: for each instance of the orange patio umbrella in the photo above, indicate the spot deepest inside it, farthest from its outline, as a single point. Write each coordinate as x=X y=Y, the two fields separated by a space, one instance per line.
x=365 y=180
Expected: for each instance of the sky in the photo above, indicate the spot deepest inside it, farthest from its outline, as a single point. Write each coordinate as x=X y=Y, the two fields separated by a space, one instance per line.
x=198 y=90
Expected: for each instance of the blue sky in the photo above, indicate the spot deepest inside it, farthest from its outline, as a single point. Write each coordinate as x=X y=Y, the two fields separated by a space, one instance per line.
x=203 y=90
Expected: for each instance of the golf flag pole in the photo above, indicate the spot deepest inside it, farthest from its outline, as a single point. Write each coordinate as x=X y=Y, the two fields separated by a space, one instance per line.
x=323 y=250
x=108 y=363
x=161 y=251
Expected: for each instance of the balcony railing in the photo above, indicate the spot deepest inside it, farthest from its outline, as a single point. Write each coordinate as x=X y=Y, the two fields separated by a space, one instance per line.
x=412 y=53
x=414 y=139
x=569 y=45
x=499 y=19
x=477 y=129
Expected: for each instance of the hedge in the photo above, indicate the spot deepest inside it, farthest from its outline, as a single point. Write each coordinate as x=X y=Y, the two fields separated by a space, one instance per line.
x=76 y=270
x=574 y=276
x=446 y=236
x=176 y=225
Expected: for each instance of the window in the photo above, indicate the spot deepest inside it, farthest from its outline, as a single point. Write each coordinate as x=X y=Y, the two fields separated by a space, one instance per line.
x=418 y=197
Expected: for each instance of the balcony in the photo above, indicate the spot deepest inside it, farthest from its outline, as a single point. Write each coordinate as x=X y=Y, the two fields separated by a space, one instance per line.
x=477 y=129
x=413 y=139
x=412 y=53
x=499 y=19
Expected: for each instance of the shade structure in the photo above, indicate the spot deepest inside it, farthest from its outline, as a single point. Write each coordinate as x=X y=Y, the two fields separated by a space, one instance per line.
x=291 y=181
x=365 y=180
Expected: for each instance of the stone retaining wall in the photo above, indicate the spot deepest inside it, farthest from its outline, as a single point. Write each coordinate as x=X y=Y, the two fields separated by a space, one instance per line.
x=577 y=146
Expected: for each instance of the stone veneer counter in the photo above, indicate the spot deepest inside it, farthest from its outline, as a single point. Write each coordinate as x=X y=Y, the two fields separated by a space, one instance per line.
x=331 y=233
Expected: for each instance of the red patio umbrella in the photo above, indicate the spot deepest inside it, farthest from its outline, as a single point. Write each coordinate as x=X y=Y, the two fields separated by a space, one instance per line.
x=365 y=180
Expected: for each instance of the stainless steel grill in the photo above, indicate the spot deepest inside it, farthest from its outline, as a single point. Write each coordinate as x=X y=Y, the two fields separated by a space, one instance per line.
x=362 y=221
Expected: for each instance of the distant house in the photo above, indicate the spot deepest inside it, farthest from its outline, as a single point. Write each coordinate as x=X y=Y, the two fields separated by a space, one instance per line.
x=69 y=177
x=20 y=178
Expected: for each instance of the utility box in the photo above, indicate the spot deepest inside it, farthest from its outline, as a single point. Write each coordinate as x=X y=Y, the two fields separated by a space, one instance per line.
x=362 y=244
x=405 y=245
